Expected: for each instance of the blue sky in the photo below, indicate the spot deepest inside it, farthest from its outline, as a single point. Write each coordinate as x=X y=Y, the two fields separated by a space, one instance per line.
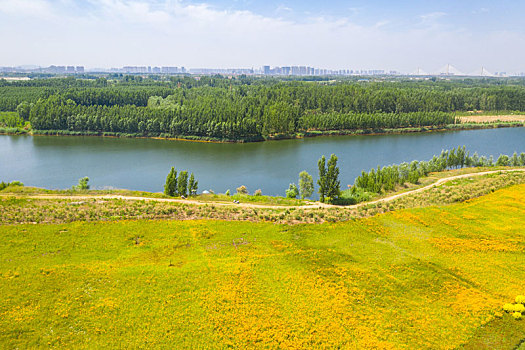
x=358 y=34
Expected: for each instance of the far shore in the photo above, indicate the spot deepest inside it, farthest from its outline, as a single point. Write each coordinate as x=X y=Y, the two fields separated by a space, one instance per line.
x=465 y=123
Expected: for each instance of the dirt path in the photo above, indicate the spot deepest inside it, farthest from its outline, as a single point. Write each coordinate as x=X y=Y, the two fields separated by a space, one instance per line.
x=315 y=205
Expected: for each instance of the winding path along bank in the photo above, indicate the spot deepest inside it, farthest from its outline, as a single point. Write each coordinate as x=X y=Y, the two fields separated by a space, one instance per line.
x=313 y=205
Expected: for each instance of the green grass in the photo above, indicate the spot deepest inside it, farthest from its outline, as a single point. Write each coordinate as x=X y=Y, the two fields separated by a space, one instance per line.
x=427 y=278
x=245 y=198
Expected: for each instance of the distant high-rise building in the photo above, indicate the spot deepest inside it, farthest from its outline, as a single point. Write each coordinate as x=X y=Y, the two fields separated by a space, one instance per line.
x=266 y=70
x=56 y=69
x=169 y=70
x=80 y=69
x=134 y=69
x=70 y=69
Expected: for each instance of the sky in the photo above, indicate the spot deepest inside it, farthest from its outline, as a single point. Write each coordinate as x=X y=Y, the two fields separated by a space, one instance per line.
x=356 y=34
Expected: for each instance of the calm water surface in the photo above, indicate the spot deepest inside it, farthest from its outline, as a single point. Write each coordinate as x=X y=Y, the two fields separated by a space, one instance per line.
x=142 y=164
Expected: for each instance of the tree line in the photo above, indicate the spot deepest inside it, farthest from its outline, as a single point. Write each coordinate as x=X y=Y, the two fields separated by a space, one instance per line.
x=180 y=185
x=386 y=178
x=329 y=183
x=245 y=108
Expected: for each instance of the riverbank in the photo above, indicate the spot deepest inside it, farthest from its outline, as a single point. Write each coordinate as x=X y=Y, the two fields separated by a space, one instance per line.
x=436 y=189
x=468 y=123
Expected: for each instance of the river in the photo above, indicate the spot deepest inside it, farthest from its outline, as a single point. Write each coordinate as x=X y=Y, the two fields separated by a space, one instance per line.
x=57 y=162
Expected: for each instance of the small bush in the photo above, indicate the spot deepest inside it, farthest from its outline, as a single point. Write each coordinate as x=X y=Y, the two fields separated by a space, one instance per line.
x=520 y=299
x=82 y=184
x=345 y=201
x=292 y=191
x=517 y=315
x=242 y=190
x=258 y=193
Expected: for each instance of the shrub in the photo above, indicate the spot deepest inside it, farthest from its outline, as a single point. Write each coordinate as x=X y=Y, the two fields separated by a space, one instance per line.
x=345 y=201
x=353 y=195
x=227 y=192
x=242 y=190
x=258 y=193
x=15 y=183
x=517 y=315
x=292 y=191
x=82 y=184
x=520 y=299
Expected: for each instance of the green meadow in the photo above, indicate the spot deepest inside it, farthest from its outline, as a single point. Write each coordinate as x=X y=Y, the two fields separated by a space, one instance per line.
x=427 y=278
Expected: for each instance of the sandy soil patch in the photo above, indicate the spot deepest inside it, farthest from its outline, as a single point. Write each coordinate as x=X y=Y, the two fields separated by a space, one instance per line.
x=15 y=78
x=491 y=118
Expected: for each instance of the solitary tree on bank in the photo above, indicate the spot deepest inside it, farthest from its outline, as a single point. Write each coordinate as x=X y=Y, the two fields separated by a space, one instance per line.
x=329 y=184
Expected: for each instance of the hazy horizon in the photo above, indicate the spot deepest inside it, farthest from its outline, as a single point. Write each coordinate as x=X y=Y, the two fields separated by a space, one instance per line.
x=359 y=34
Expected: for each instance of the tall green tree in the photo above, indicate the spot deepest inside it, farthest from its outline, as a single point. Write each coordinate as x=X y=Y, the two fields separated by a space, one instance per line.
x=332 y=179
x=192 y=185
x=323 y=189
x=24 y=110
x=306 y=184
x=182 y=183
x=170 y=188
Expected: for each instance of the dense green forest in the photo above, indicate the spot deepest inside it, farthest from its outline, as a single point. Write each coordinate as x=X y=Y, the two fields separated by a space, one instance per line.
x=246 y=108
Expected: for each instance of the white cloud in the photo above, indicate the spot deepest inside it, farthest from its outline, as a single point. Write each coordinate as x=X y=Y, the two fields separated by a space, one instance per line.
x=132 y=11
x=283 y=8
x=431 y=17
x=481 y=10
x=354 y=10
x=27 y=8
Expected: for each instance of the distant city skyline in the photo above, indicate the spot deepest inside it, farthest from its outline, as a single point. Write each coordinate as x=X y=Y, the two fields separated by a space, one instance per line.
x=447 y=70
x=358 y=34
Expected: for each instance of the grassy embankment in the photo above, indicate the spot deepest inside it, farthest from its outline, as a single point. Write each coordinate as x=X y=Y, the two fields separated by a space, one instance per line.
x=416 y=278
x=30 y=205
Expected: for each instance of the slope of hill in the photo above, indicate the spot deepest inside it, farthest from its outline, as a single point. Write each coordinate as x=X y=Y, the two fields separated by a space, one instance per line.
x=415 y=278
